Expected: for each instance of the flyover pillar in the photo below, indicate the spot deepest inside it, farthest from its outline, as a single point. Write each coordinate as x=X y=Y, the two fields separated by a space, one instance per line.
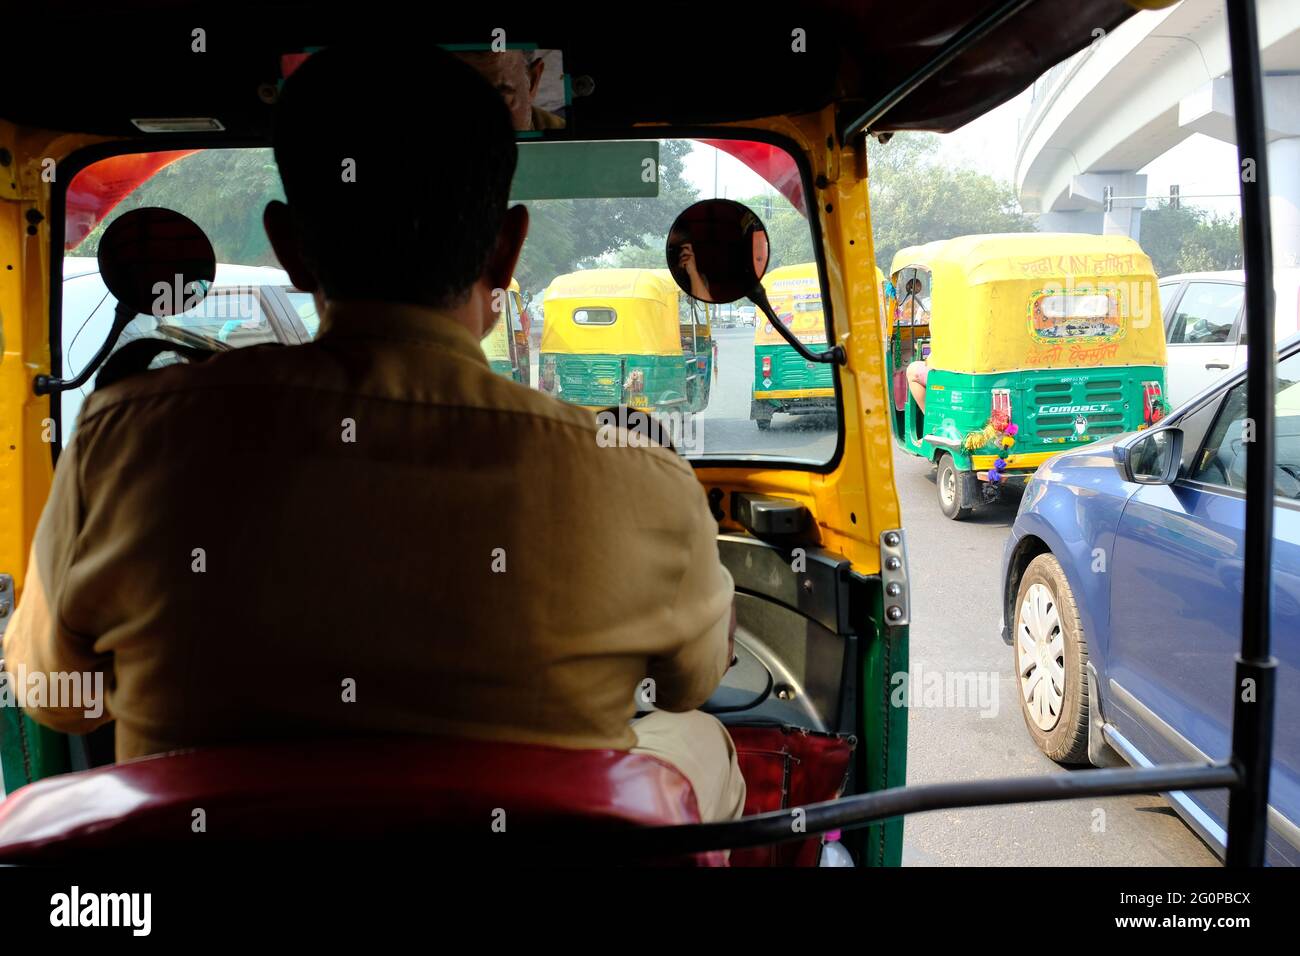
x=1210 y=111
x=1113 y=200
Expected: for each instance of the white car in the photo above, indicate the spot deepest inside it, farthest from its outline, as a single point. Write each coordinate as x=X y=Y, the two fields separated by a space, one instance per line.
x=1204 y=325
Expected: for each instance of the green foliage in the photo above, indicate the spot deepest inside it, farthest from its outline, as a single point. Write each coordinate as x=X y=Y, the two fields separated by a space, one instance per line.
x=917 y=199
x=223 y=190
x=1187 y=239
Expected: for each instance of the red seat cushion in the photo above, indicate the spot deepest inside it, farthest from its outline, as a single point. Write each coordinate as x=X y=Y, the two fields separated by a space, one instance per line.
x=366 y=789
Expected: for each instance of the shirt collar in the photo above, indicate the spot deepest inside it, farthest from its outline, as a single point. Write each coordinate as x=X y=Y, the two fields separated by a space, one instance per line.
x=398 y=321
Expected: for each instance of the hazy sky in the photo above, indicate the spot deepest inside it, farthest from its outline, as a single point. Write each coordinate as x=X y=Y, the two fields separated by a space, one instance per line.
x=1198 y=165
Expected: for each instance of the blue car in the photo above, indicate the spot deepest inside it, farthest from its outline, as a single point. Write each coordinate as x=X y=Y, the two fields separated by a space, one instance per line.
x=1122 y=598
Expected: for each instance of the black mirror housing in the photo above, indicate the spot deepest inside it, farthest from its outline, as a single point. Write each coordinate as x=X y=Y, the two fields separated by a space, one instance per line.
x=1150 y=457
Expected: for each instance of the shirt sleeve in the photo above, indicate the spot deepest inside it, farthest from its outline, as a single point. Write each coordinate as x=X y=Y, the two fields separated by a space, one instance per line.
x=36 y=641
x=702 y=614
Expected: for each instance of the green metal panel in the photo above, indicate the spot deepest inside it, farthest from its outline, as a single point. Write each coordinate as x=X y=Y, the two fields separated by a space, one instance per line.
x=790 y=370
x=597 y=380
x=882 y=753
x=1054 y=409
x=28 y=751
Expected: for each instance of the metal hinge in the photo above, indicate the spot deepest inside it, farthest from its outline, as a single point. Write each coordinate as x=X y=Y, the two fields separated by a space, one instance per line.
x=893 y=578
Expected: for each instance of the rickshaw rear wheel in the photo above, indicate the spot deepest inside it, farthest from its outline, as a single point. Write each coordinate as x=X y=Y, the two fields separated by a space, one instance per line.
x=1051 y=658
x=954 y=495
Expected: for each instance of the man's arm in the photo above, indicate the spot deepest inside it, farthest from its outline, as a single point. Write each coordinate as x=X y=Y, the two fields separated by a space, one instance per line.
x=36 y=640
x=704 y=620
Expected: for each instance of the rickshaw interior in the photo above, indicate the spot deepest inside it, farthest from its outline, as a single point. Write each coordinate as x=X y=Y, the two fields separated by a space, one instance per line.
x=810 y=530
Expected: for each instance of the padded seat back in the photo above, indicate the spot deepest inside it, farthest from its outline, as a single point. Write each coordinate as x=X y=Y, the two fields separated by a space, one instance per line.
x=318 y=793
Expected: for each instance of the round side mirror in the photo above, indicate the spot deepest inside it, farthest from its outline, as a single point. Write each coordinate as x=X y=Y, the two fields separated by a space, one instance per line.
x=717 y=250
x=156 y=262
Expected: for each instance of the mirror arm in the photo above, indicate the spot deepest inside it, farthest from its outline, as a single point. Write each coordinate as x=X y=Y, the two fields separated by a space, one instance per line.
x=835 y=355
x=45 y=385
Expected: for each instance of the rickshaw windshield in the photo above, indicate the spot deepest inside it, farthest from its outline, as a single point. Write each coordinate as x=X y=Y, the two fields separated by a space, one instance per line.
x=595 y=207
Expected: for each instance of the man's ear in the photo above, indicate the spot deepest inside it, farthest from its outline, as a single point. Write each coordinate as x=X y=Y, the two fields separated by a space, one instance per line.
x=501 y=263
x=535 y=71
x=283 y=233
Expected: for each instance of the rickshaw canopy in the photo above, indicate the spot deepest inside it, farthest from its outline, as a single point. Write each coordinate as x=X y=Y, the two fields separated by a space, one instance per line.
x=1039 y=300
x=644 y=303
x=850 y=59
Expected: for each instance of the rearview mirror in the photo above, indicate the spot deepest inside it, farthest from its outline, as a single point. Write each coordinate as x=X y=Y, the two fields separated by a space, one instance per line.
x=1150 y=457
x=153 y=261
x=156 y=262
x=717 y=251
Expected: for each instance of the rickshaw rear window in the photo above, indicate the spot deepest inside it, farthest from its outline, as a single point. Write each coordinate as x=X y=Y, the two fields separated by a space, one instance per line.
x=594 y=316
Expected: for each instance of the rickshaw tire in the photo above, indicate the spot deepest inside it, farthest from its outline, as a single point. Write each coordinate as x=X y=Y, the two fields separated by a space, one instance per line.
x=963 y=498
x=1067 y=742
x=763 y=423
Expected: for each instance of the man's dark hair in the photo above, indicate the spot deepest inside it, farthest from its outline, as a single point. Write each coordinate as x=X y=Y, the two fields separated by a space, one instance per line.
x=432 y=155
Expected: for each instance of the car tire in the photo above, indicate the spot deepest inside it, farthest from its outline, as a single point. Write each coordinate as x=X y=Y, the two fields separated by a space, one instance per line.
x=954 y=497
x=1047 y=634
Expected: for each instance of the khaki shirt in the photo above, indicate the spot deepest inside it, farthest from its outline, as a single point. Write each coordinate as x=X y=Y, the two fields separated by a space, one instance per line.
x=369 y=533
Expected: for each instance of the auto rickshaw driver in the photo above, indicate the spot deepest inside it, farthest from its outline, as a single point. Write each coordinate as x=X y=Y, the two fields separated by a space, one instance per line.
x=398 y=451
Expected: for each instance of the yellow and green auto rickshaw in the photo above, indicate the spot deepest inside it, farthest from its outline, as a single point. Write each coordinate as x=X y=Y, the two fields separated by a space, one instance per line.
x=626 y=337
x=784 y=381
x=1005 y=349
x=519 y=333
x=502 y=344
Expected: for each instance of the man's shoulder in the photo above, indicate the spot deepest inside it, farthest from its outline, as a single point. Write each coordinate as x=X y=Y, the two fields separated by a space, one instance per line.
x=614 y=437
x=251 y=367
x=274 y=370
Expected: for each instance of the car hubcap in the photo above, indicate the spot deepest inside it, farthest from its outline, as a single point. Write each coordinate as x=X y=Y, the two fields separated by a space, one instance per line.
x=1040 y=653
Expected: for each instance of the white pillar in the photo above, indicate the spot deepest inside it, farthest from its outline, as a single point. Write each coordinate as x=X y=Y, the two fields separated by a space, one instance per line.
x=1284 y=200
x=1124 y=217
x=1209 y=110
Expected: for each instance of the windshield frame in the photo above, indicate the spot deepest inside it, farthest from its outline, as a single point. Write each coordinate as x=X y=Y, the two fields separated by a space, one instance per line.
x=89 y=155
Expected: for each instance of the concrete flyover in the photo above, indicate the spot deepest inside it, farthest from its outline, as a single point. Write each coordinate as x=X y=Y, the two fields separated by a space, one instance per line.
x=1097 y=119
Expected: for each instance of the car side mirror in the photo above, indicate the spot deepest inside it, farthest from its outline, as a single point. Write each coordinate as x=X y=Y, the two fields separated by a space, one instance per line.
x=1150 y=457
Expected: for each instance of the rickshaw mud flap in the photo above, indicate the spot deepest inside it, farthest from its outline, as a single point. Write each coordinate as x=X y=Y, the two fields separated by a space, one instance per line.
x=866 y=809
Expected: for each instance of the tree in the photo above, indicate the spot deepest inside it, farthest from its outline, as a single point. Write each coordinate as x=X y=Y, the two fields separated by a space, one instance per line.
x=222 y=190
x=1187 y=239
x=917 y=199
